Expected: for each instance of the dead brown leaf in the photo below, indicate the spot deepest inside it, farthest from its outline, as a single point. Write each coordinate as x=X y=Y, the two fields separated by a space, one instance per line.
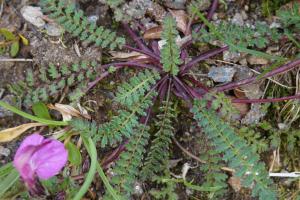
x=127 y=55
x=68 y=111
x=235 y=183
x=181 y=19
x=12 y=133
x=153 y=33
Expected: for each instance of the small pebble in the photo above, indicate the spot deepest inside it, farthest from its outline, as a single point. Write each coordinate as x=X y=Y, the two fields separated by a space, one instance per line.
x=1 y=92
x=222 y=74
x=93 y=18
x=4 y=151
x=253 y=60
x=138 y=189
x=244 y=15
x=231 y=56
x=53 y=29
x=4 y=112
x=215 y=16
x=175 y=4
x=33 y=15
x=238 y=19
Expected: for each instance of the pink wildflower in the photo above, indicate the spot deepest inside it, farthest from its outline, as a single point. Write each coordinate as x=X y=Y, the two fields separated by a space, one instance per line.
x=39 y=157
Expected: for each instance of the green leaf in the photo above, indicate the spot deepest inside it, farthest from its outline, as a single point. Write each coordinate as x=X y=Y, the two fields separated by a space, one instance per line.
x=90 y=146
x=14 y=49
x=31 y=117
x=170 y=52
x=5 y=170
x=7 y=34
x=41 y=110
x=8 y=181
x=74 y=155
x=24 y=40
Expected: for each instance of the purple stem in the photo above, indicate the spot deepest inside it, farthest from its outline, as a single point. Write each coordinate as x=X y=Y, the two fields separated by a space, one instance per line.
x=163 y=87
x=103 y=75
x=148 y=53
x=183 y=92
x=211 y=12
x=198 y=83
x=283 y=68
x=117 y=66
x=184 y=55
x=114 y=155
x=135 y=38
x=131 y=64
x=266 y=100
x=203 y=56
x=176 y=79
x=154 y=46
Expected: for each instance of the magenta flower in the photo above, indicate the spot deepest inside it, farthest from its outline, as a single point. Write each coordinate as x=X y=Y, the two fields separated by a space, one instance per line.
x=38 y=157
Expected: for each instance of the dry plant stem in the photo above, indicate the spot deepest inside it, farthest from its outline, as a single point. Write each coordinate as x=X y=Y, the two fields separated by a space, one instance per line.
x=15 y=60
x=266 y=100
x=187 y=152
x=204 y=56
x=135 y=38
x=196 y=158
x=114 y=155
x=130 y=64
x=283 y=68
x=198 y=83
x=150 y=54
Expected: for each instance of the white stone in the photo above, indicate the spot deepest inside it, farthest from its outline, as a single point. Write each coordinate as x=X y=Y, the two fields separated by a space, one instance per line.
x=33 y=15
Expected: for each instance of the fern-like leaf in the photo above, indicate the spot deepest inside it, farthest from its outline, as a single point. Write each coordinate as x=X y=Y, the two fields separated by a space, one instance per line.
x=129 y=93
x=74 y=22
x=214 y=177
x=123 y=124
x=159 y=151
x=167 y=191
x=170 y=52
x=119 y=127
x=236 y=151
x=127 y=167
x=242 y=36
x=49 y=82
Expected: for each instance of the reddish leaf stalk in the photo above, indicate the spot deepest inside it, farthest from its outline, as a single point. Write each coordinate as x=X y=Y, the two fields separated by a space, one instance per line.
x=202 y=57
x=283 y=68
x=271 y=100
x=135 y=38
x=210 y=14
x=148 y=53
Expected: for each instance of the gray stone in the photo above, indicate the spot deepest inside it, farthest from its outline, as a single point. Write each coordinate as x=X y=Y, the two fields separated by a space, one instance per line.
x=222 y=74
x=231 y=56
x=203 y=5
x=175 y=4
x=4 y=112
x=1 y=92
x=53 y=29
x=238 y=19
x=4 y=151
x=33 y=15
x=254 y=115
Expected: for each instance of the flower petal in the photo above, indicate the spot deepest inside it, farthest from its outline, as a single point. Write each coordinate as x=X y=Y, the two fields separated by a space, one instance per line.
x=50 y=159
x=23 y=155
